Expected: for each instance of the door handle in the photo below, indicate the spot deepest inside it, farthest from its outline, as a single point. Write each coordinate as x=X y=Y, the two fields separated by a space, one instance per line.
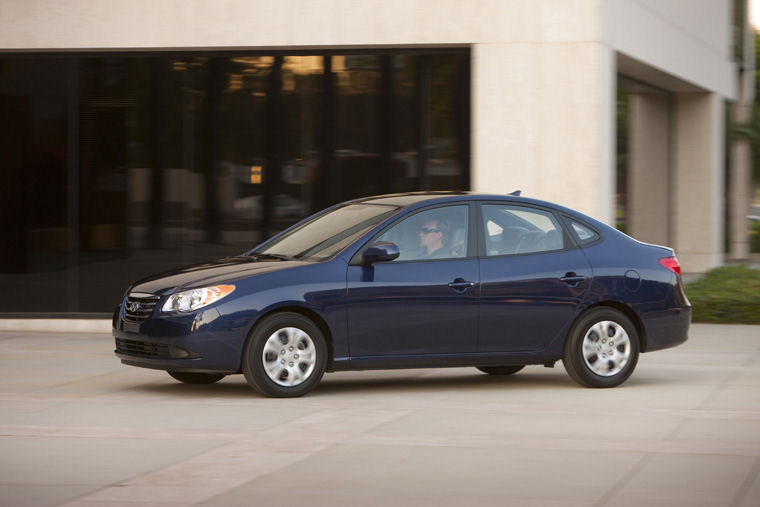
x=460 y=284
x=572 y=279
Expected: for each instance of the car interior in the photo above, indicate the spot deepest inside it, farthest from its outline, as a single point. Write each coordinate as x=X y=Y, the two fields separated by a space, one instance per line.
x=508 y=234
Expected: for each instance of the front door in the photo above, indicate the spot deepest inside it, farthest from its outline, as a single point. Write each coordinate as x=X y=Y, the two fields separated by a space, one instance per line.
x=426 y=301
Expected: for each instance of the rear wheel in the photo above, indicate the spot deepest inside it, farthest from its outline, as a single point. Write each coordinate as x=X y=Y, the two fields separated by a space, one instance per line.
x=196 y=378
x=602 y=348
x=501 y=370
x=285 y=356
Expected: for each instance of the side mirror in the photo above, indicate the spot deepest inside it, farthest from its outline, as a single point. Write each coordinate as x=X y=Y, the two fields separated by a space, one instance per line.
x=382 y=251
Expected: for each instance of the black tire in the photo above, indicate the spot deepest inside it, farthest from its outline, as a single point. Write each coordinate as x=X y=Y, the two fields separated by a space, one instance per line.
x=614 y=362
x=196 y=378
x=275 y=327
x=501 y=370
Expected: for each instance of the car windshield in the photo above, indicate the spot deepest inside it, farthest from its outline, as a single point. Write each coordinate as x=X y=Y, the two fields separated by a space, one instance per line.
x=328 y=233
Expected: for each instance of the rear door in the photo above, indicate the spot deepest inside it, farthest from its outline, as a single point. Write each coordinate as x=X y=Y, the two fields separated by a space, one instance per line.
x=533 y=278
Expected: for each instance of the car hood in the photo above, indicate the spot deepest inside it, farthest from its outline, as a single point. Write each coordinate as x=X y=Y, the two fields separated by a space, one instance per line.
x=211 y=273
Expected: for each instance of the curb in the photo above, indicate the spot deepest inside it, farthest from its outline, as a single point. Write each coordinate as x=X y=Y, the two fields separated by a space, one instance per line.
x=57 y=325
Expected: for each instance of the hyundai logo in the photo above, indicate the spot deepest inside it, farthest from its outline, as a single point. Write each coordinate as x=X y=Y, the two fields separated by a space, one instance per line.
x=133 y=307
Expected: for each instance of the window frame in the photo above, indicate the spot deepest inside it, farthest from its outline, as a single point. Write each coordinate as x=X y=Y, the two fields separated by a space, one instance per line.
x=472 y=244
x=568 y=241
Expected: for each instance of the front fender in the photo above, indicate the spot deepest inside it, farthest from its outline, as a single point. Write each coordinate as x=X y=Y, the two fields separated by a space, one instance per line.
x=319 y=288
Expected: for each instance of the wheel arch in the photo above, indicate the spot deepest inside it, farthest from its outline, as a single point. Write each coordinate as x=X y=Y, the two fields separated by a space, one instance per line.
x=625 y=310
x=309 y=314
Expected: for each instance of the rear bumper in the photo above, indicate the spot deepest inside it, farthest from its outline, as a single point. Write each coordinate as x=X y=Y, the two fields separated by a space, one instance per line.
x=666 y=328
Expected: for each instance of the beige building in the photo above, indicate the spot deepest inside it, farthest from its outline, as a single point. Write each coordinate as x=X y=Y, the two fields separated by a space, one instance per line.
x=545 y=77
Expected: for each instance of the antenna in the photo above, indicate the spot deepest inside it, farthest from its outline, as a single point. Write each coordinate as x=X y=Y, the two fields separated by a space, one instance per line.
x=516 y=193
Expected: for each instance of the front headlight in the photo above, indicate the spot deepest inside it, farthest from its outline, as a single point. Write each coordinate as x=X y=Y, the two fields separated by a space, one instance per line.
x=190 y=300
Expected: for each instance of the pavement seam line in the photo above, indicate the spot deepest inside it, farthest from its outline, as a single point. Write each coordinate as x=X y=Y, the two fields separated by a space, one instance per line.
x=625 y=480
x=232 y=465
x=752 y=476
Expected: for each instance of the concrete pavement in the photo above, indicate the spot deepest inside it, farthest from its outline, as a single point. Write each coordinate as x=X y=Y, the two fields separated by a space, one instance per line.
x=78 y=428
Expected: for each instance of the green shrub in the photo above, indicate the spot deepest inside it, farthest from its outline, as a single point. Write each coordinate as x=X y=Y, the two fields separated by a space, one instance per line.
x=754 y=236
x=730 y=294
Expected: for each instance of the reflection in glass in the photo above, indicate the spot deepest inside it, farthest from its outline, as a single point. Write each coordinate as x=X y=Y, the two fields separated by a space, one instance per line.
x=117 y=166
x=33 y=198
x=328 y=233
x=447 y=142
x=404 y=126
x=356 y=162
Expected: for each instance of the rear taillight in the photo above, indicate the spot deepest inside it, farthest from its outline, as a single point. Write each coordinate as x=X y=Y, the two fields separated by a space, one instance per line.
x=671 y=264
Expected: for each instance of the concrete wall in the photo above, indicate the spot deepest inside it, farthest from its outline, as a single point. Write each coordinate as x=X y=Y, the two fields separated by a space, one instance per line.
x=543 y=120
x=686 y=40
x=115 y=24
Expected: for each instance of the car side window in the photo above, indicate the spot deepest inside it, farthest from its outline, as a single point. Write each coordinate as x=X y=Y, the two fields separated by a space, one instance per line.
x=511 y=230
x=584 y=233
x=438 y=233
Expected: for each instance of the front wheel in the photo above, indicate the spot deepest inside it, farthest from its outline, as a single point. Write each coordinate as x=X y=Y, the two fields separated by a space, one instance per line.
x=285 y=356
x=189 y=377
x=602 y=348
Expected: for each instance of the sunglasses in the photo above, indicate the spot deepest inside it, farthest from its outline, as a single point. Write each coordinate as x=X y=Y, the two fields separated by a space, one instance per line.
x=428 y=230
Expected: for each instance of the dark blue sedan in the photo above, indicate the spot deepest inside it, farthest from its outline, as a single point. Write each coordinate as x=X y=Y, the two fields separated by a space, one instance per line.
x=413 y=281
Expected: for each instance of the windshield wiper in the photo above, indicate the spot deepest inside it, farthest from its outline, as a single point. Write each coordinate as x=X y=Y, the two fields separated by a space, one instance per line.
x=260 y=255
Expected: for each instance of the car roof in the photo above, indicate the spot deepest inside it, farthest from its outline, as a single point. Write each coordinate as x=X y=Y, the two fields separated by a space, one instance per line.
x=424 y=198
x=418 y=199
x=410 y=198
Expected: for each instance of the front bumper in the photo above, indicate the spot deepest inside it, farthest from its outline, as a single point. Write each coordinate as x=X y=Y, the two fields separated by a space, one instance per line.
x=195 y=342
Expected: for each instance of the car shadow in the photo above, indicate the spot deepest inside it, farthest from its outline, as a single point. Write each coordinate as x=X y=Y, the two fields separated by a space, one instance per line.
x=440 y=383
x=226 y=389
x=337 y=383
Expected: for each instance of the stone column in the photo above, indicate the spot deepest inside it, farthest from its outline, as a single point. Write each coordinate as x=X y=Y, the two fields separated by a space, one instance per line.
x=740 y=180
x=698 y=180
x=649 y=188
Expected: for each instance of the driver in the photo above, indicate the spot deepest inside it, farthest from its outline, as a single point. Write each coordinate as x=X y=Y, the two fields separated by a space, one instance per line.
x=434 y=235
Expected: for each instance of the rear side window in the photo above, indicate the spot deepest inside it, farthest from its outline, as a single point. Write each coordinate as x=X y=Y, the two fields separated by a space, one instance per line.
x=583 y=232
x=513 y=230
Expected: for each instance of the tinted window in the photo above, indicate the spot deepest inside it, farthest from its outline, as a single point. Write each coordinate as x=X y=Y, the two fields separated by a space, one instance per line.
x=439 y=233
x=517 y=230
x=135 y=163
x=328 y=233
x=584 y=233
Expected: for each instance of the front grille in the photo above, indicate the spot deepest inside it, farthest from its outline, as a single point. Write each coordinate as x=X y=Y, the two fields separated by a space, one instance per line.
x=139 y=306
x=143 y=349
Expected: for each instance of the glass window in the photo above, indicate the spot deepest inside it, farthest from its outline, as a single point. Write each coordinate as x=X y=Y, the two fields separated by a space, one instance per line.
x=118 y=165
x=439 y=233
x=584 y=233
x=356 y=158
x=401 y=113
x=446 y=142
x=328 y=233
x=516 y=230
